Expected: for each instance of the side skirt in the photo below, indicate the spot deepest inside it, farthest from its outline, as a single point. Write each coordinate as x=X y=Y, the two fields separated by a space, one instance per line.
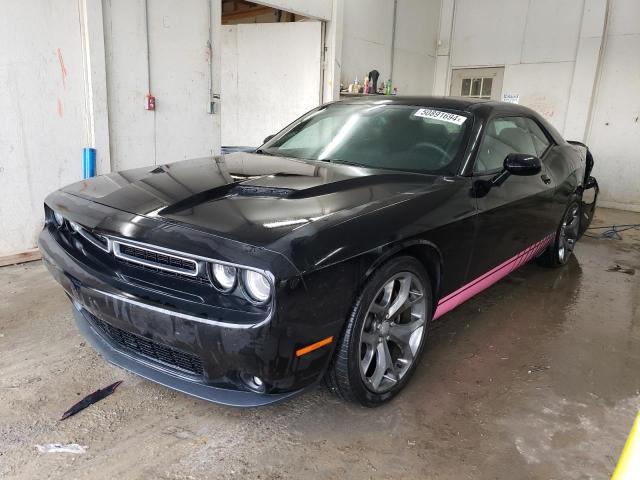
x=483 y=282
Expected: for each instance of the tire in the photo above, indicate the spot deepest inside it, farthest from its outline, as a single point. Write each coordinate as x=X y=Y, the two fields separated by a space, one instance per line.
x=377 y=354
x=561 y=248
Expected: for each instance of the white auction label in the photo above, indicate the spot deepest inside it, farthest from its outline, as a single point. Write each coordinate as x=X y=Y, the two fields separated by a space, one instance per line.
x=439 y=115
x=511 y=97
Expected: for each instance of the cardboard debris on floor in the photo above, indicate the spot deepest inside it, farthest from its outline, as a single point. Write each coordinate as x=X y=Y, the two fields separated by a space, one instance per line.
x=91 y=399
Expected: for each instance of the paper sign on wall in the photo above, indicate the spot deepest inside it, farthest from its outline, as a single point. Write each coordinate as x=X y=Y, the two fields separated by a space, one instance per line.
x=511 y=97
x=439 y=115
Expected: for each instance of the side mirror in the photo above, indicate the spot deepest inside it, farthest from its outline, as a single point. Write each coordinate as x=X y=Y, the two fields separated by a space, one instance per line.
x=267 y=138
x=522 y=164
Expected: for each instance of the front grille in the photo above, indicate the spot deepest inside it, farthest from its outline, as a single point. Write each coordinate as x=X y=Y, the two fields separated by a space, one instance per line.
x=156 y=259
x=150 y=349
x=141 y=257
x=201 y=278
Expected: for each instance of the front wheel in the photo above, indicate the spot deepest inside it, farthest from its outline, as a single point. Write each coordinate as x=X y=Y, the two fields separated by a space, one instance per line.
x=384 y=335
x=560 y=250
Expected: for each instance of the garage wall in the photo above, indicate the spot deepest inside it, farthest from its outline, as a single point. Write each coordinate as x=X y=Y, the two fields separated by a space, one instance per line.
x=614 y=130
x=368 y=39
x=535 y=40
x=559 y=59
x=414 y=58
x=178 y=73
x=265 y=86
x=43 y=123
x=130 y=125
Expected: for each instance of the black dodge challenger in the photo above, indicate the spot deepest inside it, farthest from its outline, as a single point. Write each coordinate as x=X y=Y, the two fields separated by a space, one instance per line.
x=325 y=254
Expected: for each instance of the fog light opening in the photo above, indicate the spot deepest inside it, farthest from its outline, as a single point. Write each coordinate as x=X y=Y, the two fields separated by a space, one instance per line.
x=253 y=383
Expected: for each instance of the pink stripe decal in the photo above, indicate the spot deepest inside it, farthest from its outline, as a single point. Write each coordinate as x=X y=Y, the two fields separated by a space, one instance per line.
x=483 y=282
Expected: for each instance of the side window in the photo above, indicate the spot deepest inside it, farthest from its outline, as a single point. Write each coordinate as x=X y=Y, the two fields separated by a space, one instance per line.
x=502 y=136
x=540 y=140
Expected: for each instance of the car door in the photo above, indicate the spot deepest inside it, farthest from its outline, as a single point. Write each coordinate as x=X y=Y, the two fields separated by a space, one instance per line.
x=520 y=212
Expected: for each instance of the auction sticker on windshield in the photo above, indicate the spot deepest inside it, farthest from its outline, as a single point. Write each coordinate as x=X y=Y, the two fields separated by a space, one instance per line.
x=439 y=115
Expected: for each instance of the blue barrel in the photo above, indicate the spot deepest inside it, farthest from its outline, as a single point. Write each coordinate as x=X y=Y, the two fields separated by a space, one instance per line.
x=89 y=162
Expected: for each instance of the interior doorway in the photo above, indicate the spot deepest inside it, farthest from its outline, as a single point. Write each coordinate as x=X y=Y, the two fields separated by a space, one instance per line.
x=477 y=82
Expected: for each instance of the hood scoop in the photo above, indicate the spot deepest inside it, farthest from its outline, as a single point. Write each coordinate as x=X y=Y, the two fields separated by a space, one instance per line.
x=237 y=189
x=259 y=191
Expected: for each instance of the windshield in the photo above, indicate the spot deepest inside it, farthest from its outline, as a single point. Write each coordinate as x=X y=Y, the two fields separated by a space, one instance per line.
x=396 y=137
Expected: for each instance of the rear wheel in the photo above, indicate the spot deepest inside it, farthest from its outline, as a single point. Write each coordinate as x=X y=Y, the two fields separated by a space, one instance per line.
x=384 y=335
x=560 y=250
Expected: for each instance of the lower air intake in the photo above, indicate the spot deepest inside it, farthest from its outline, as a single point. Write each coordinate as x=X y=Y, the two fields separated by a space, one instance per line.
x=152 y=350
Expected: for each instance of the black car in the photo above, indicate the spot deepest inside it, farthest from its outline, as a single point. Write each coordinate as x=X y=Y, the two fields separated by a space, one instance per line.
x=325 y=254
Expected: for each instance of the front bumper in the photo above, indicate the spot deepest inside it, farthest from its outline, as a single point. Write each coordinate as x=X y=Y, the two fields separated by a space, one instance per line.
x=225 y=347
x=148 y=370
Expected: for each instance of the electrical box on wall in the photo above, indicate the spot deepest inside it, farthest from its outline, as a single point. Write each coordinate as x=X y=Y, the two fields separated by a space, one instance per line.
x=150 y=102
x=212 y=106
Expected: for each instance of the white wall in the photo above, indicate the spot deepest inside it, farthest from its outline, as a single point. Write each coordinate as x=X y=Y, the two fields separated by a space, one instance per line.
x=535 y=40
x=334 y=31
x=103 y=44
x=267 y=85
x=43 y=121
x=550 y=49
x=551 y=52
x=180 y=75
x=368 y=38
x=415 y=46
x=131 y=126
x=614 y=133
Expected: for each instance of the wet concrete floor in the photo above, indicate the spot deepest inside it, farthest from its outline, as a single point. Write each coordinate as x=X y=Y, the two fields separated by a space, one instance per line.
x=538 y=377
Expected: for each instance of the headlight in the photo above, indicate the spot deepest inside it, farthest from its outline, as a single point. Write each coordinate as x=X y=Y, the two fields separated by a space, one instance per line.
x=224 y=276
x=256 y=285
x=58 y=219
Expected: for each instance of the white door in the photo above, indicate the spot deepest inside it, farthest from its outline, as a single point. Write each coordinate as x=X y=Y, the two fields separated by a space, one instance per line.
x=270 y=75
x=182 y=79
x=477 y=82
x=179 y=70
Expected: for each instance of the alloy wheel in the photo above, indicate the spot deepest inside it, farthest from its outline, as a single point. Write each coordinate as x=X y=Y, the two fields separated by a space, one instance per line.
x=568 y=233
x=392 y=332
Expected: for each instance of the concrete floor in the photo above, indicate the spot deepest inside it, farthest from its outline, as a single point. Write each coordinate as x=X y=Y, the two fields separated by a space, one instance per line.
x=538 y=377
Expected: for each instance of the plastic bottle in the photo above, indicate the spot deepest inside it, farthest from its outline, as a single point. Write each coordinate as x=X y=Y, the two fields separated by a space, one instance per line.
x=387 y=87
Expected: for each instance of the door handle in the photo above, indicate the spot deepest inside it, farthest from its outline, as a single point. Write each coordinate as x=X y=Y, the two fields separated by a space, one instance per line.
x=545 y=178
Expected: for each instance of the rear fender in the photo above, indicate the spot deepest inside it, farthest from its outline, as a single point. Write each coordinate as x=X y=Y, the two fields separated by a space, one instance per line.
x=588 y=191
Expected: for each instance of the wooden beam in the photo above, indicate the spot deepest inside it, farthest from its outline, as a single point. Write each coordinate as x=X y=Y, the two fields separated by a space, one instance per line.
x=245 y=2
x=22 y=257
x=248 y=13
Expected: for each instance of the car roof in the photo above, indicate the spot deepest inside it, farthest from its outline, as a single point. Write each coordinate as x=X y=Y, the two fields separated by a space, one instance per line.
x=455 y=103
x=479 y=107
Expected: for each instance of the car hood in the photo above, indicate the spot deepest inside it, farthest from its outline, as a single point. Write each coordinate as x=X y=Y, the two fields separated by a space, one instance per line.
x=252 y=198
